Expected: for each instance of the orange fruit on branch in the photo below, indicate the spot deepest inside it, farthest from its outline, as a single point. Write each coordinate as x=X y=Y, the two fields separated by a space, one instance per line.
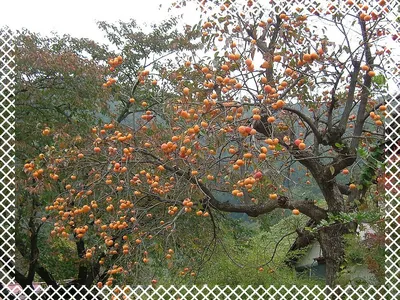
x=302 y=146
x=277 y=58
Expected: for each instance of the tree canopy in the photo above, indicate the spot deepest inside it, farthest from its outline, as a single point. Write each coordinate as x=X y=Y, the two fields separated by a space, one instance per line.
x=244 y=112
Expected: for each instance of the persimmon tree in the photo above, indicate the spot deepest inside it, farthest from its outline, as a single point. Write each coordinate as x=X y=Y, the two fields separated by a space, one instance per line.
x=271 y=92
x=329 y=87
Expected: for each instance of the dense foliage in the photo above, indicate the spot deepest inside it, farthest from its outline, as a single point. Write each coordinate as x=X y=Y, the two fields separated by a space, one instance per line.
x=212 y=134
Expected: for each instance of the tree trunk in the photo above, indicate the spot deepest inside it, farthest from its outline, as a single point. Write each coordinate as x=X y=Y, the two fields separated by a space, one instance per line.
x=331 y=237
x=332 y=245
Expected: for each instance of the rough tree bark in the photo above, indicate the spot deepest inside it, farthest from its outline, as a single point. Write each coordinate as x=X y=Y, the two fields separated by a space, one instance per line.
x=332 y=245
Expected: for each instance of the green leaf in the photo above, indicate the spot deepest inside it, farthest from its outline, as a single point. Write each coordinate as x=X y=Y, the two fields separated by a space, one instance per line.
x=338 y=145
x=379 y=79
x=332 y=169
x=308 y=229
x=362 y=152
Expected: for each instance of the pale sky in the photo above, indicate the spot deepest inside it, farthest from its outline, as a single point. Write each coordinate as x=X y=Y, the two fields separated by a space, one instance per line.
x=78 y=18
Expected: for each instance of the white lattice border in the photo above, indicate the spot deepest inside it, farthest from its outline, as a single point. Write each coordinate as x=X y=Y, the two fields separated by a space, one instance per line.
x=389 y=290
x=6 y=154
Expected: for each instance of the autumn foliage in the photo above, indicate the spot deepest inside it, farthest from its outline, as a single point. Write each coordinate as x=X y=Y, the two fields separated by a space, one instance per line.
x=278 y=98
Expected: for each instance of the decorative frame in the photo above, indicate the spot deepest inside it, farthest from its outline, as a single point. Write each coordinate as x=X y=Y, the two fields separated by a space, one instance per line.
x=390 y=290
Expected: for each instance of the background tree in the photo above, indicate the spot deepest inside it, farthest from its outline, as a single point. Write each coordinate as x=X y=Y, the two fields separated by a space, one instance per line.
x=58 y=84
x=58 y=87
x=60 y=90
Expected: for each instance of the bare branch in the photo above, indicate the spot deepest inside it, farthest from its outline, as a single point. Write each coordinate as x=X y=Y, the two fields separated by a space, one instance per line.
x=333 y=102
x=306 y=120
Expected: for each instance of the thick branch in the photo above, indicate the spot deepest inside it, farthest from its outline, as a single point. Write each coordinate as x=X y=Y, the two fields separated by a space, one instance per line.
x=46 y=276
x=350 y=98
x=344 y=189
x=82 y=272
x=309 y=160
x=253 y=210
x=365 y=91
x=306 y=120
x=95 y=271
x=34 y=251
x=40 y=270
x=339 y=163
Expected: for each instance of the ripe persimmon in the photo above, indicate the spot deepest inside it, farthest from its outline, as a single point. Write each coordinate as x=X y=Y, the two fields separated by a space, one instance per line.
x=273 y=196
x=296 y=211
x=307 y=57
x=277 y=58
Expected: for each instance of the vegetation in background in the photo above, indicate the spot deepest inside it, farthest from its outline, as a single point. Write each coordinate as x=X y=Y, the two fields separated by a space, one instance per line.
x=222 y=139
